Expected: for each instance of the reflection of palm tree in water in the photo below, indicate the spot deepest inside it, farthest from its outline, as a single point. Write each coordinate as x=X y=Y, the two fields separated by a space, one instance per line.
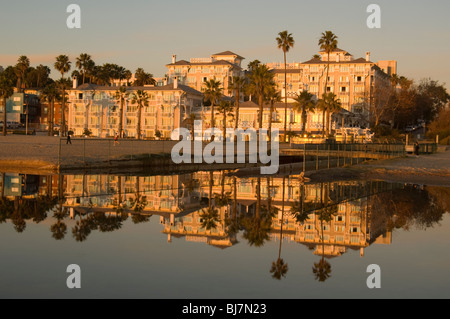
x=139 y=204
x=257 y=227
x=279 y=267
x=322 y=269
x=210 y=217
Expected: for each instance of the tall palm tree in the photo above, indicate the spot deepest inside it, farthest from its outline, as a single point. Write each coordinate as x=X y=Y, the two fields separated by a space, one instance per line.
x=21 y=68
x=63 y=65
x=121 y=95
x=50 y=94
x=6 y=90
x=285 y=42
x=140 y=98
x=83 y=63
x=273 y=96
x=213 y=92
x=305 y=103
x=328 y=43
x=260 y=80
x=237 y=85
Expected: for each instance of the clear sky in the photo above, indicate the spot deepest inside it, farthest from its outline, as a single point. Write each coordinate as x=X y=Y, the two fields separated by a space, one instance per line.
x=145 y=33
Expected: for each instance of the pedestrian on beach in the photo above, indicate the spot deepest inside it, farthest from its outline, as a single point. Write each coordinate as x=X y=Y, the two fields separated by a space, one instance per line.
x=116 y=139
x=69 y=140
x=416 y=149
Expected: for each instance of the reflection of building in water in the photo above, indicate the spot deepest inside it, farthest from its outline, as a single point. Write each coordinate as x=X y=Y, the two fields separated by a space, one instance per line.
x=157 y=194
x=190 y=227
x=352 y=226
x=19 y=185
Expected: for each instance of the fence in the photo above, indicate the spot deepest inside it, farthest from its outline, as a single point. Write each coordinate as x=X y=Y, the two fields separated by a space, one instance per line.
x=325 y=156
x=82 y=152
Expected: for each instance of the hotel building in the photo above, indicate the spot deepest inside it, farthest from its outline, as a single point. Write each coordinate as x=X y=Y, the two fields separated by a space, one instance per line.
x=95 y=108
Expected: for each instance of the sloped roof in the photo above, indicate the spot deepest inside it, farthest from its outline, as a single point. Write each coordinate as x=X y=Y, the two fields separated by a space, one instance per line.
x=168 y=87
x=229 y=53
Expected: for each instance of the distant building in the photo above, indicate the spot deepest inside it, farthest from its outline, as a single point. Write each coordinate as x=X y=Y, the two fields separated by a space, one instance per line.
x=19 y=105
x=194 y=73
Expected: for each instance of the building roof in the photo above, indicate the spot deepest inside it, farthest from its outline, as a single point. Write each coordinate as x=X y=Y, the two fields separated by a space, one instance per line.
x=217 y=62
x=318 y=61
x=168 y=87
x=229 y=53
x=335 y=50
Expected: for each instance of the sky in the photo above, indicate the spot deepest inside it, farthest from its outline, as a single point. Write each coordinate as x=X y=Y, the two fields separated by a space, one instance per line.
x=145 y=33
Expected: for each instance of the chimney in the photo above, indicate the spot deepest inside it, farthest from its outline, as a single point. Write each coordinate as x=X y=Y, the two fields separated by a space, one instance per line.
x=367 y=56
x=338 y=58
x=175 y=82
x=75 y=82
x=174 y=58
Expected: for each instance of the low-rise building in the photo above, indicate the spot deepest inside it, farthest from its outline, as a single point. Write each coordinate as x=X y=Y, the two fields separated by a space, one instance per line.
x=95 y=108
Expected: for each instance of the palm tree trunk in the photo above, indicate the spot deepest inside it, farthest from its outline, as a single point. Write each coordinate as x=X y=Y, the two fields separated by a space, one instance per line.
x=121 y=118
x=212 y=119
x=236 y=122
x=285 y=98
x=63 y=111
x=304 y=119
x=4 y=116
x=138 y=130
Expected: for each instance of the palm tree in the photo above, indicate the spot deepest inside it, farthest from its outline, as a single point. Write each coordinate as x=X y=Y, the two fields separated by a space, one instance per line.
x=305 y=103
x=142 y=78
x=140 y=98
x=328 y=43
x=329 y=105
x=21 y=68
x=279 y=268
x=6 y=90
x=213 y=93
x=260 y=80
x=62 y=65
x=285 y=42
x=190 y=122
x=84 y=63
x=273 y=96
x=121 y=95
x=42 y=73
x=237 y=85
x=226 y=109
x=50 y=94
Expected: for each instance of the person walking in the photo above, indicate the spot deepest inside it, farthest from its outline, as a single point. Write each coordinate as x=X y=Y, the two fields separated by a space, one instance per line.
x=416 y=149
x=116 y=139
x=69 y=140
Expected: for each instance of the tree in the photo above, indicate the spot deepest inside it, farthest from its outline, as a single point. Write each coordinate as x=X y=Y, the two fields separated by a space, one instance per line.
x=42 y=73
x=285 y=42
x=272 y=97
x=84 y=64
x=21 y=68
x=6 y=91
x=140 y=98
x=226 y=109
x=237 y=85
x=142 y=78
x=260 y=80
x=332 y=105
x=328 y=43
x=63 y=65
x=305 y=103
x=213 y=93
x=50 y=94
x=121 y=95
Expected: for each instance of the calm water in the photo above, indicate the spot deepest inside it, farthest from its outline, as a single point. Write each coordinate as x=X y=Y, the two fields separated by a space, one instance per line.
x=209 y=235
